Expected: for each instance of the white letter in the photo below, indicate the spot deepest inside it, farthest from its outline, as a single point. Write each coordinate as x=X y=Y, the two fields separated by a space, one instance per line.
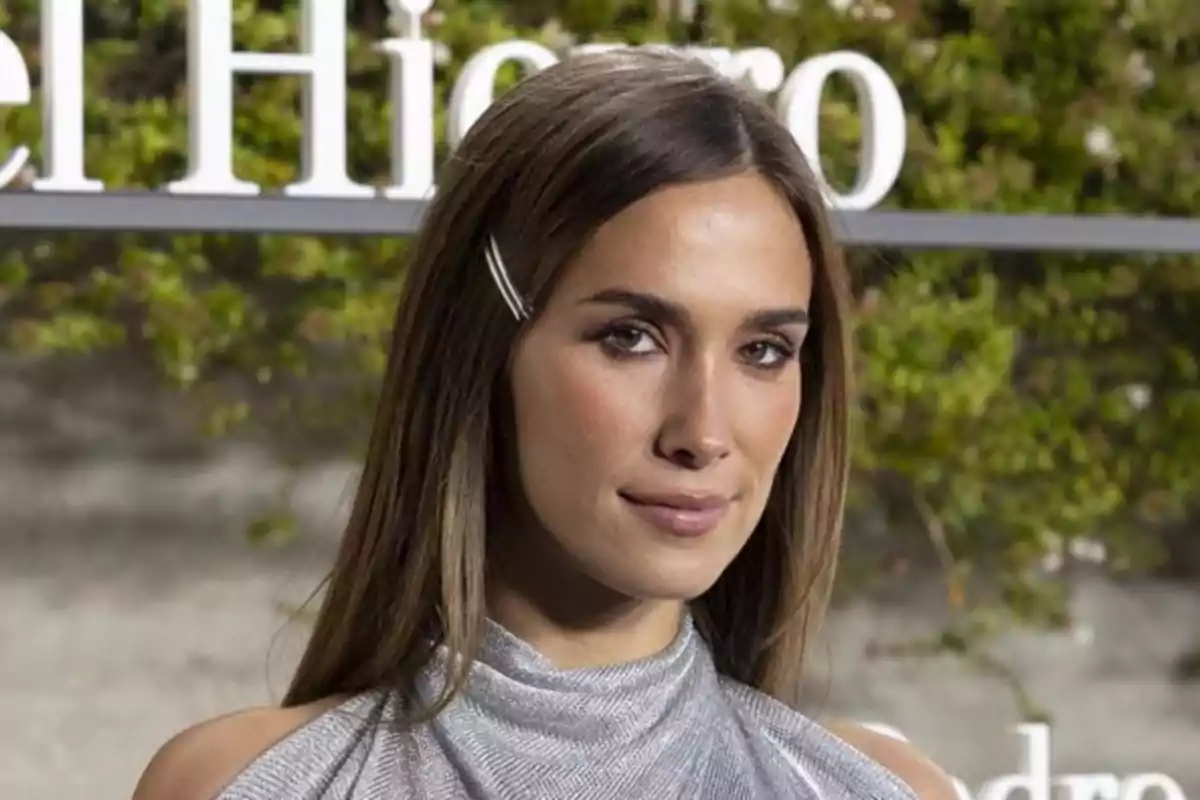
x=961 y=790
x=592 y=48
x=412 y=104
x=883 y=139
x=715 y=57
x=759 y=68
x=14 y=91
x=1136 y=786
x=62 y=99
x=475 y=88
x=1035 y=769
x=1090 y=787
x=211 y=64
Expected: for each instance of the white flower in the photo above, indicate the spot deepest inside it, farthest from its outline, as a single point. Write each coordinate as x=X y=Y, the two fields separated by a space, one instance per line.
x=1099 y=142
x=1088 y=551
x=926 y=49
x=841 y=6
x=1139 y=396
x=1138 y=72
x=1052 y=560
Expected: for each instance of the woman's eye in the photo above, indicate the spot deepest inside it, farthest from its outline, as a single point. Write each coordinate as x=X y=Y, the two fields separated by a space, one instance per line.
x=631 y=340
x=769 y=355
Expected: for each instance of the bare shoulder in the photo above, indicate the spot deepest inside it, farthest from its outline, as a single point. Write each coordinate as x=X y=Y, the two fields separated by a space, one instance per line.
x=199 y=762
x=927 y=780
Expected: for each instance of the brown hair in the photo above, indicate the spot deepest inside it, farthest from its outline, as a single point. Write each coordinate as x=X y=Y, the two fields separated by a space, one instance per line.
x=546 y=165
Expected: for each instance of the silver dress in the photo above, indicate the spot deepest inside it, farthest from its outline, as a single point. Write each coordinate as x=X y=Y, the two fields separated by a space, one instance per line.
x=663 y=728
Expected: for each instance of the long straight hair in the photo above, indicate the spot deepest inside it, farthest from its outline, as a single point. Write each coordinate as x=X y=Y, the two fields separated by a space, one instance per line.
x=546 y=165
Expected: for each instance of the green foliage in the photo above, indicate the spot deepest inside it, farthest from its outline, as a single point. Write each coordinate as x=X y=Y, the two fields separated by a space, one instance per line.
x=1014 y=409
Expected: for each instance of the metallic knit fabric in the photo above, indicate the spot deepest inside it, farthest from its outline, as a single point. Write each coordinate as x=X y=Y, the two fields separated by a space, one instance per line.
x=663 y=728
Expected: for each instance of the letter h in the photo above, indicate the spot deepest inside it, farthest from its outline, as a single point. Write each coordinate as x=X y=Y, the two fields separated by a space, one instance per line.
x=212 y=62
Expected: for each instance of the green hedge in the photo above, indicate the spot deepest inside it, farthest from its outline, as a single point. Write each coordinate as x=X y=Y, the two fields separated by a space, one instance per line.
x=1014 y=408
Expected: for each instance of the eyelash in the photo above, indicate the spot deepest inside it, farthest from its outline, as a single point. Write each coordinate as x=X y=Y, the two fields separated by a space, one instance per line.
x=786 y=351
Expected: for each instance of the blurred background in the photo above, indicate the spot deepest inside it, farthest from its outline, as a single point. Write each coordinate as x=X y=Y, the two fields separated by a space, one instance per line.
x=180 y=415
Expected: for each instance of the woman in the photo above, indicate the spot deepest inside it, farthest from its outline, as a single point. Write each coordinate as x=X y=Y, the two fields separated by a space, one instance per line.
x=600 y=509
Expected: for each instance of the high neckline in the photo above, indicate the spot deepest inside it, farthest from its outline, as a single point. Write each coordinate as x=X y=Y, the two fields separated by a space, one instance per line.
x=509 y=654
x=511 y=682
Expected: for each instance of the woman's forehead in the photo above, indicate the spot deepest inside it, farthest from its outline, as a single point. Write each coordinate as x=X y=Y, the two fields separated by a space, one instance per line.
x=733 y=242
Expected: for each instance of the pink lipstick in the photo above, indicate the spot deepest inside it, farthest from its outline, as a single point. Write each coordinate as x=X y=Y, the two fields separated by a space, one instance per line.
x=680 y=514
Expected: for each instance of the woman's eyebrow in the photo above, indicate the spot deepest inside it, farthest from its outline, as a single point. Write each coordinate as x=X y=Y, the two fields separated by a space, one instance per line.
x=660 y=309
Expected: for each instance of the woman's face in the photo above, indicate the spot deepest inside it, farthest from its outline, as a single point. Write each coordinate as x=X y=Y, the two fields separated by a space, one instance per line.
x=656 y=393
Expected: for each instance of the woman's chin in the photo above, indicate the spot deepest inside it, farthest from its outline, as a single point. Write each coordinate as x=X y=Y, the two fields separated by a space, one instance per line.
x=667 y=582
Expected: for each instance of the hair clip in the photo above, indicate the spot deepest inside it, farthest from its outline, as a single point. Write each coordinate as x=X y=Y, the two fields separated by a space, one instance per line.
x=504 y=283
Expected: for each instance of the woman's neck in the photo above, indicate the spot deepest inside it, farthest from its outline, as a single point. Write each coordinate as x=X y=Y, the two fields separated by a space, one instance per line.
x=537 y=593
x=618 y=632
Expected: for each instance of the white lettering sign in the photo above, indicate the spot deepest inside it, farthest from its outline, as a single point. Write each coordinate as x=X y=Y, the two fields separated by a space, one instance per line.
x=884 y=127
x=1034 y=780
x=211 y=64
x=473 y=92
x=62 y=104
x=412 y=106
x=14 y=91
x=321 y=61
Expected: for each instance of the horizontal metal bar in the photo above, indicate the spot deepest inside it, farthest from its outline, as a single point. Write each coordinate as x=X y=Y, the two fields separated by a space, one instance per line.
x=934 y=230
x=159 y=211
x=914 y=230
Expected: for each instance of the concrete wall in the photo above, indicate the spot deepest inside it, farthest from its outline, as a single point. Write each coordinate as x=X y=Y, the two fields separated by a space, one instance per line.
x=131 y=606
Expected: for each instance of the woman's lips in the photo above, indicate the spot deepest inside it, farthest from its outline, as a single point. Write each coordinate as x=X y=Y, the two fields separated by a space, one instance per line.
x=679 y=514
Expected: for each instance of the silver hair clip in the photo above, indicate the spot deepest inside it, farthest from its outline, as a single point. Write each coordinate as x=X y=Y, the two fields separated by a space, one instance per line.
x=504 y=283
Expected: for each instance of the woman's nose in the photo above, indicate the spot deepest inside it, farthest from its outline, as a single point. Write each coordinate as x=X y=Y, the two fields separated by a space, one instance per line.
x=696 y=429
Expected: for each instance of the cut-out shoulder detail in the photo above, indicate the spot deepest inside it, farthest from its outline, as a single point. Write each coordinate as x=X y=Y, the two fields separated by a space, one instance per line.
x=197 y=763
x=927 y=780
